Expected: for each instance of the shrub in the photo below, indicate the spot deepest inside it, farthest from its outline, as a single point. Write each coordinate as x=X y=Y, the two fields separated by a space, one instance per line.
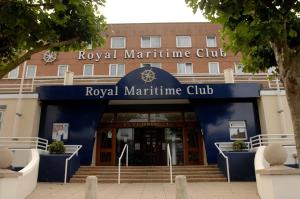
x=57 y=147
x=239 y=145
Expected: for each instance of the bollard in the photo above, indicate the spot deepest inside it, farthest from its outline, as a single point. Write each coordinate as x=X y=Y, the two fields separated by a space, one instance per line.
x=91 y=187
x=181 y=187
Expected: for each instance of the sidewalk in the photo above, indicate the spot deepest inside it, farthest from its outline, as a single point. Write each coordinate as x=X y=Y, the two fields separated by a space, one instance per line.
x=204 y=190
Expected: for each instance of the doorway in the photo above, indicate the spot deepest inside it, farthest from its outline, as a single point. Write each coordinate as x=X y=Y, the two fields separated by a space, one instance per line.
x=149 y=146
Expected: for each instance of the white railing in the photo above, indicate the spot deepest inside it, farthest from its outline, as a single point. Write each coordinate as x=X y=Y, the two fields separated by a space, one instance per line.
x=120 y=158
x=70 y=149
x=169 y=162
x=24 y=143
x=266 y=139
x=226 y=159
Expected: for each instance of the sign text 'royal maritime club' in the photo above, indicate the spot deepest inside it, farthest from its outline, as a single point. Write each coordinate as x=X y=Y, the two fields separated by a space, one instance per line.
x=151 y=54
x=191 y=90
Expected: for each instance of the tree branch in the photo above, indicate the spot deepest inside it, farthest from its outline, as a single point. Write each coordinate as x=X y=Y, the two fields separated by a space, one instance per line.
x=27 y=55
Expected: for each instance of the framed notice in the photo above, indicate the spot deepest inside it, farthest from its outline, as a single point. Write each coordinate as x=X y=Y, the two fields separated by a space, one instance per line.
x=60 y=131
x=238 y=130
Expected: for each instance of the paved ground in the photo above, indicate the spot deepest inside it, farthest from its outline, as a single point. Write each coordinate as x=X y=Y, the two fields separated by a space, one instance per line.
x=211 y=190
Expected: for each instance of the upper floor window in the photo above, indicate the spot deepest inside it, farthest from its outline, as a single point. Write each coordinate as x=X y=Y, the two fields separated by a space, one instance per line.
x=116 y=69
x=30 y=71
x=150 y=42
x=183 y=41
x=211 y=41
x=88 y=69
x=13 y=74
x=157 y=65
x=213 y=67
x=62 y=69
x=239 y=68
x=184 y=68
x=118 y=42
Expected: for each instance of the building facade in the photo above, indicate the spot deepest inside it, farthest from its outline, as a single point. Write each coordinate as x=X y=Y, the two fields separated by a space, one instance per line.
x=152 y=87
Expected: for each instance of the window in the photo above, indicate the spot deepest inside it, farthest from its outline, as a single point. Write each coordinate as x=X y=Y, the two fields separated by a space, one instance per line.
x=183 y=42
x=150 y=42
x=118 y=42
x=239 y=68
x=211 y=41
x=90 y=46
x=2 y=109
x=157 y=65
x=116 y=69
x=272 y=70
x=88 y=69
x=184 y=68
x=62 y=69
x=213 y=67
x=238 y=130
x=30 y=71
x=13 y=74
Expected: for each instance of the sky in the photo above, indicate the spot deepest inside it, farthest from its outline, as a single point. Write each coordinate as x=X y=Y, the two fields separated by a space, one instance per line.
x=149 y=11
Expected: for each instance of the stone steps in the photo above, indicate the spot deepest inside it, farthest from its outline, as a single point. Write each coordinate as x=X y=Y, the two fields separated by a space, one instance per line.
x=149 y=174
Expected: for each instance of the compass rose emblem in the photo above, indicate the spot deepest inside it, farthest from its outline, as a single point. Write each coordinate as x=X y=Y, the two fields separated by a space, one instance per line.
x=49 y=56
x=148 y=75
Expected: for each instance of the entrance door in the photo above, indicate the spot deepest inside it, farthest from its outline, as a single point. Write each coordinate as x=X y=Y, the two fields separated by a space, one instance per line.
x=193 y=153
x=106 y=145
x=149 y=146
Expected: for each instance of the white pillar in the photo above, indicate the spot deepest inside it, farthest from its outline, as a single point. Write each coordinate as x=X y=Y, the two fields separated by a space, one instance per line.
x=228 y=75
x=181 y=187
x=280 y=110
x=91 y=187
x=68 y=80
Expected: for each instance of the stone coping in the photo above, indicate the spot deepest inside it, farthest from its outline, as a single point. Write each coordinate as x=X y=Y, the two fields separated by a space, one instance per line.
x=279 y=170
x=5 y=173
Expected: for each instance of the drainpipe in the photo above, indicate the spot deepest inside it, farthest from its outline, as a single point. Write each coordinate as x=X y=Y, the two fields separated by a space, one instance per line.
x=280 y=110
x=18 y=113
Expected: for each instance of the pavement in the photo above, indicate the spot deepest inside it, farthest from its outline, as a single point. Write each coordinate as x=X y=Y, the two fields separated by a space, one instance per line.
x=201 y=190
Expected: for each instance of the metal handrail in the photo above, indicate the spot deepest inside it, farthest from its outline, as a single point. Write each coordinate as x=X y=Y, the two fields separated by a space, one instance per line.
x=227 y=163
x=120 y=158
x=169 y=162
x=265 y=139
x=24 y=143
x=78 y=147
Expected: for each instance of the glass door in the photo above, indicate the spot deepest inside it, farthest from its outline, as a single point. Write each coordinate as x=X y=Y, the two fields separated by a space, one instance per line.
x=106 y=142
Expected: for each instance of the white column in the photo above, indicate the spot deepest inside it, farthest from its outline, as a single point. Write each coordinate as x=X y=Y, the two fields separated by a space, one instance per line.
x=280 y=110
x=68 y=79
x=228 y=75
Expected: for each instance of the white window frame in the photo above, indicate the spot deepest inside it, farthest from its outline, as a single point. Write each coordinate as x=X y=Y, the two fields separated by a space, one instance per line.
x=237 y=69
x=208 y=43
x=15 y=71
x=117 y=70
x=27 y=70
x=150 y=44
x=121 y=47
x=183 y=46
x=156 y=65
x=185 y=68
x=84 y=70
x=209 y=67
x=1 y=118
x=236 y=126
x=58 y=69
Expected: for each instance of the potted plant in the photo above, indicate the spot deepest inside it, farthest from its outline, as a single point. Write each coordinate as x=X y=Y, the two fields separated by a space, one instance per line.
x=56 y=147
x=239 y=145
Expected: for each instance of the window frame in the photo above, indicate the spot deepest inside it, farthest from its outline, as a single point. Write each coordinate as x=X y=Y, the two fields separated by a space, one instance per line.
x=215 y=42
x=183 y=36
x=84 y=70
x=209 y=68
x=27 y=69
x=114 y=37
x=117 y=70
x=151 y=65
x=150 y=44
x=237 y=70
x=185 y=67
x=232 y=128
x=58 y=70
x=17 y=69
